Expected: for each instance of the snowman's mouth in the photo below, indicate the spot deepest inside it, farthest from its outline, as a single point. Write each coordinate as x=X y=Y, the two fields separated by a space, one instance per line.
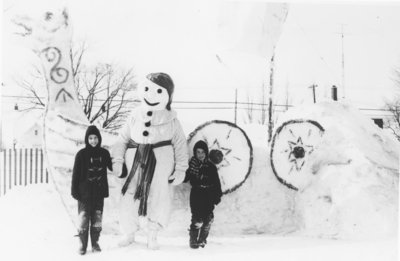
x=151 y=104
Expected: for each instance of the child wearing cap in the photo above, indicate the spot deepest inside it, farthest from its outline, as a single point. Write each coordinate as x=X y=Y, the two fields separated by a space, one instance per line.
x=89 y=187
x=205 y=193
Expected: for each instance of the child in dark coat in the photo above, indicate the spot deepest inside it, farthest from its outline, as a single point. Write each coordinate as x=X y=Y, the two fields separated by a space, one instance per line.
x=90 y=187
x=205 y=193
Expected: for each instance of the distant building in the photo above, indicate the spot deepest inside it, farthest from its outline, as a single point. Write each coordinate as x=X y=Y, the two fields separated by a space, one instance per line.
x=30 y=138
x=21 y=129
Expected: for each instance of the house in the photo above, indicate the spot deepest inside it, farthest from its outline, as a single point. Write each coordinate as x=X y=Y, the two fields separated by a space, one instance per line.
x=30 y=137
x=22 y=130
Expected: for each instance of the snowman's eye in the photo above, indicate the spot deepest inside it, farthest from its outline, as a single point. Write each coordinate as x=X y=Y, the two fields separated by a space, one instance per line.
x=159 y=91
x=146 y=89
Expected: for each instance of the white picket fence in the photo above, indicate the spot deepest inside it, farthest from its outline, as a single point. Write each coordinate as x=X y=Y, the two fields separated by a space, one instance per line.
x=21 y=167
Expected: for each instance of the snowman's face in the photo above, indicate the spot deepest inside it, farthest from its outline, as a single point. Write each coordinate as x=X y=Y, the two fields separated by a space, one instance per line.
x=153 y=96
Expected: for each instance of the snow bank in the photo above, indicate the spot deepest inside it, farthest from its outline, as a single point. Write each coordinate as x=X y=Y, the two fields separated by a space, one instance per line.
x=351 y=178
x=35 y=226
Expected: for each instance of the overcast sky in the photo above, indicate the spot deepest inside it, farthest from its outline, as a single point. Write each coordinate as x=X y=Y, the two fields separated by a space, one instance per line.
x=182 y=38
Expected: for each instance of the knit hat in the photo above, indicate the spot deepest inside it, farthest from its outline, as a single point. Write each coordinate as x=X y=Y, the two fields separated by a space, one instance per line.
x=92 y=130
x=200 y=145
x=165 y=81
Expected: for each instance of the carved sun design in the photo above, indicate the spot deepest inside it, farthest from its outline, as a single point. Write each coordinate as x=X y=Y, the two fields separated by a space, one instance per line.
x=298 y=152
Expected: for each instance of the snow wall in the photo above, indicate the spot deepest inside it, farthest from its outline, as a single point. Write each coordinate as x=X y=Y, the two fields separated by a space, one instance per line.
x=350 y=187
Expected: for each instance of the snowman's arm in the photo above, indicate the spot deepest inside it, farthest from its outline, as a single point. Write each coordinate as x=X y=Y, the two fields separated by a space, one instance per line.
x=119 y=148
x=181 y=154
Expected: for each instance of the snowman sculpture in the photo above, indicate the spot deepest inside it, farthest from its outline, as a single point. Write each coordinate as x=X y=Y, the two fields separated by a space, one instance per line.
x=153 y=146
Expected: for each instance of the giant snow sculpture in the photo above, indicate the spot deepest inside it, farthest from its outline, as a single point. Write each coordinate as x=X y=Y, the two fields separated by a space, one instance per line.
x=49 y=35
x=344 y=167
x=153 y=146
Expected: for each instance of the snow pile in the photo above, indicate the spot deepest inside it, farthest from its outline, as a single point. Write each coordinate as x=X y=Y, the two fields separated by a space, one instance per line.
x=351 y=187
x=351 y=174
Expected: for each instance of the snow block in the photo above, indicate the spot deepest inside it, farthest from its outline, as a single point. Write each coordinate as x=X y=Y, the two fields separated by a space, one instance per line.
x=350 y=186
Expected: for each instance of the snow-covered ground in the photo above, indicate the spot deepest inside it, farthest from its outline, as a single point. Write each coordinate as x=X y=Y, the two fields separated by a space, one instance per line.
x=346 y=207
x=35 y=226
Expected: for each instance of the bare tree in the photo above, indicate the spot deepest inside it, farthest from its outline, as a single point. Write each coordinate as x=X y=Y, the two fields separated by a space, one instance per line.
x=393 y=123
x=250 y=109
x=393 y=106
x=105 y=91
x=34 y=88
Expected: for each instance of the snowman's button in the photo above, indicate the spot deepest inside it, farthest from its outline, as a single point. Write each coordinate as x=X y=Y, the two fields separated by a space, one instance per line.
x=147 y=124
x=145 y=133
x=149 y=113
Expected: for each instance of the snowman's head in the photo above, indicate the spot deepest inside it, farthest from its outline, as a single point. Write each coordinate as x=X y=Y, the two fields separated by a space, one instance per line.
x=156 y=91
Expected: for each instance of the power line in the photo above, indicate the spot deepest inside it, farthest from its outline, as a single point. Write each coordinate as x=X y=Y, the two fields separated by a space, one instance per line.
x=184 y=102
x=238 y=108
x=187 y=102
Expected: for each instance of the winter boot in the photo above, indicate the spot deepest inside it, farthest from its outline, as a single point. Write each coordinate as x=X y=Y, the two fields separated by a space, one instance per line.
x=127 y=240
x=204 y=231
x=94 y=237
x=152 y=240
x=83 y=241
x=193 y=234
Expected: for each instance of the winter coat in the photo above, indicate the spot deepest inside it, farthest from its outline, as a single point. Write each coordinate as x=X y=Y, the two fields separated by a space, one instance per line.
x=89 y=175
x=206 y=187
x=151 y=127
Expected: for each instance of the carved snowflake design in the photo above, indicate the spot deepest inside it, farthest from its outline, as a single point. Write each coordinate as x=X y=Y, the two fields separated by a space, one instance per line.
x=297 y=155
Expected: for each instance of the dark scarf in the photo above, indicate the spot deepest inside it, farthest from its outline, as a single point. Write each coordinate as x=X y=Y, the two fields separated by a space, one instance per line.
x=146 y=159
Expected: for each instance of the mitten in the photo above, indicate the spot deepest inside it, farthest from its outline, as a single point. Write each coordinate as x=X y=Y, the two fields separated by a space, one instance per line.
x=118 y=169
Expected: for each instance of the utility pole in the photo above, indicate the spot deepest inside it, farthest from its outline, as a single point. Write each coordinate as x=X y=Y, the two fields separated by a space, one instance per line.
x=343 y=86
x=236 y=106
x=287 y=94
x=270 y=106
x=313 y=90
